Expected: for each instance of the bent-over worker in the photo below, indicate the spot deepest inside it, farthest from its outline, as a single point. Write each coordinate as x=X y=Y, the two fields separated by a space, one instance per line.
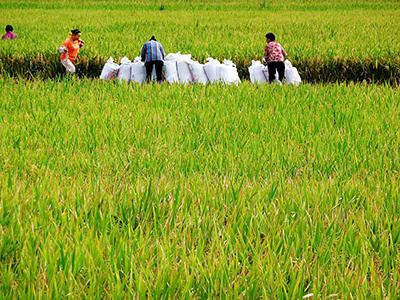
x=153 y=54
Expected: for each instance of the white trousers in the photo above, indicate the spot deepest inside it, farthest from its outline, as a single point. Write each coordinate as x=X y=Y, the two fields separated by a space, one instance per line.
x=68 y=65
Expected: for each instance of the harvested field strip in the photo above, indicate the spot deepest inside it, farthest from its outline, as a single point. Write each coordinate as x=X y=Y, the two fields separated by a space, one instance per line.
x=327 y=42
x=311 y=70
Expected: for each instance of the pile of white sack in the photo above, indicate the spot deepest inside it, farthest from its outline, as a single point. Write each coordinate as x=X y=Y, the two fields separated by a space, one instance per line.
x=127 y=71
x=259 y=73
x=178 y=68
x=181 y=68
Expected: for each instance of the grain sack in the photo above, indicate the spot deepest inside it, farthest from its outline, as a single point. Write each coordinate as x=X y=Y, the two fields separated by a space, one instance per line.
x=138 y=71
x=153 y=73
x=197 y=72
x=110 y=70
x=228 y=73
x=211 y=70
x=184 y=72
x=170 y=71
x=172 y=56
x=256 y=72
x=176 y=68
x=124 y=73
x=292 y=76
x=185 y=57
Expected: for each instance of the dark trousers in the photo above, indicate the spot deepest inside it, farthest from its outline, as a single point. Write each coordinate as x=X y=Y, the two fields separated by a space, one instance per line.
x=272 y=67
x=149 y=69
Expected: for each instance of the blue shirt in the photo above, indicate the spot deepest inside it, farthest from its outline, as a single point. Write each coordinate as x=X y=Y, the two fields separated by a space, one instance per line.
x=152 y=50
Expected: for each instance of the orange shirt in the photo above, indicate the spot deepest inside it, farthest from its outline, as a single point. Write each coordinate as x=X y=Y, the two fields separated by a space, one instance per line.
x=73 y=49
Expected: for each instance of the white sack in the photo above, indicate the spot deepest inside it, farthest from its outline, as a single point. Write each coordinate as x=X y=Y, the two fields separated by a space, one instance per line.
x=178 y=56
x=110 y=70
x=292 y=76
x=176 y=67
x=124 y=72
x=170 y=68
x=198 y=74
x=186 y=57
x=172 y=56
x=171 y=73
x=153 y=73
x=211 y=70
x=184 y=72
x=288 y=64
x=256 y=72
x=138 y=72
x=228 y=73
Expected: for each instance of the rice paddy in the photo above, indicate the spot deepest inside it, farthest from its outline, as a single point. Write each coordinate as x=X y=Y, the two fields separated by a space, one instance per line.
x=116 y=191
x=328 y=42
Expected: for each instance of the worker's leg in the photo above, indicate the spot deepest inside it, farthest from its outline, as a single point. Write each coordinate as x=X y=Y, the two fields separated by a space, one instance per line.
x=69 y=66
x=149 y=70
x=271 y=71
x=159 y=66
x=281 y=70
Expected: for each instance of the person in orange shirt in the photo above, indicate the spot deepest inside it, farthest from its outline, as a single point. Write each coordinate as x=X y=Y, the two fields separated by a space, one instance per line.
x=69 y=50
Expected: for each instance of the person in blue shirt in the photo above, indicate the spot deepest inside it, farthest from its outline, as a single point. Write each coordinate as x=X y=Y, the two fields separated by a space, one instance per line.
x=153 y=54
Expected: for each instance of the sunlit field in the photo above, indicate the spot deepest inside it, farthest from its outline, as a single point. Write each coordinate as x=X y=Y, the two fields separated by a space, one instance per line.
x=121 y=191
x=158 y=191
x=327 y=41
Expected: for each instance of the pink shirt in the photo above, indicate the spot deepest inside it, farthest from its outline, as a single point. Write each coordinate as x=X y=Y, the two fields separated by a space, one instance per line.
x=9 y=36
x=274 y=52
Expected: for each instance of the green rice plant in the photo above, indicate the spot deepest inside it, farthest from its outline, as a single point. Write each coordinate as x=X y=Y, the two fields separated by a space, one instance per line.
x=158 y=191
x=328 y=42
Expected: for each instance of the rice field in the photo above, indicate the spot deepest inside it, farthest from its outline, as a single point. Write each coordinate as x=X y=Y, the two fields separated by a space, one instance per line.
x=115 y=191
x=327 y=41
x=190 y=192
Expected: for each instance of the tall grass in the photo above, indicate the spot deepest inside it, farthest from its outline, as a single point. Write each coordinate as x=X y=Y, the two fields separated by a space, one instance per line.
x=116 y=191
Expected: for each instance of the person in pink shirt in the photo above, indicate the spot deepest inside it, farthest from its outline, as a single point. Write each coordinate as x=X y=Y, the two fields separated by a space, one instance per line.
x=274 y=56
x=9 y=35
